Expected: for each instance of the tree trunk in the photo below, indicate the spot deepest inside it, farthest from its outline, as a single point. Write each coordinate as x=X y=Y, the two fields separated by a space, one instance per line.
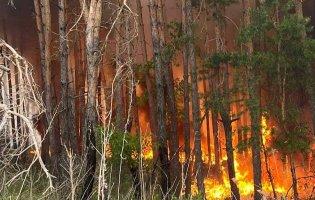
x=227 y=123
x=270 y=177
x=67 y=115
x=195 y=98
x=207 y=122
x=186 y=122
x=120 y=117
x=216 y=144
x=254 y=111
x=148 y=82
x=43 y=22
x=175 y=166
x=93 y=16
x=215 y=81
x=160 y=103
x=294 y=179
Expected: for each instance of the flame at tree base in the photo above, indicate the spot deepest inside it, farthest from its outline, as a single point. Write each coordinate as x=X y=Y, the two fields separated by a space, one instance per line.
x=279 y=169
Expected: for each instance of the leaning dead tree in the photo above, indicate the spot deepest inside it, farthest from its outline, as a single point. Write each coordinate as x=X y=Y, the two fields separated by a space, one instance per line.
x=20 y=105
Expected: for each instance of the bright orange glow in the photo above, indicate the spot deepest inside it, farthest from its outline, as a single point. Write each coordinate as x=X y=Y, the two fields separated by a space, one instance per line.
x=216 y=189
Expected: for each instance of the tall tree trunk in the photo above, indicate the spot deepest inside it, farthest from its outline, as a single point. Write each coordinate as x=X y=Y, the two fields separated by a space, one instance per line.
x=93 y=16
x=160 y=103
x=215 y=81
x=225 y=108
x=186 y=122
x=67 y=115
x=43 y=21
x=40 y=32
x=195 y=98
x=254 y=110
x=79 y=88
x=133 y=110
x=148 y=82
x=175 y=166
x=120 y=117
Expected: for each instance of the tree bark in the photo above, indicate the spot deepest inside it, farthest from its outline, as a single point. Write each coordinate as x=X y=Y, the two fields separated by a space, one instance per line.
x=93 y=16
x=270 y=177
x=175 y=166
x=195 y=98
x=67 y=115
x=227 y=123
x=215 y=114
x=43 y=22
x=120 y=117
x=160 y=103
x=294 y=179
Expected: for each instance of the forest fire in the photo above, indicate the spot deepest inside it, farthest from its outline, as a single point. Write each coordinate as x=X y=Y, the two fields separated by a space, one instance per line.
x=220 y=189
x=157 y=99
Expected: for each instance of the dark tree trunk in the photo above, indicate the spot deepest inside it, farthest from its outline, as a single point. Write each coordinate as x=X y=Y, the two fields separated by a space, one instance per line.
x=43 y=21
x=216 y=143
x=120 y=118
x=160 y=102
x=148 y=82
x=186 y=121
x=227 y=123
x=175 y=166
x=294 y=179
x=270 y=177
x=207 y=122
x=195 y=98
x=67 y=118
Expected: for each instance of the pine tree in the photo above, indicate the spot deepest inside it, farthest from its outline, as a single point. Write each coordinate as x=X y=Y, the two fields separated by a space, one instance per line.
x=160 y=102
x=67 y=115
x=93 y=16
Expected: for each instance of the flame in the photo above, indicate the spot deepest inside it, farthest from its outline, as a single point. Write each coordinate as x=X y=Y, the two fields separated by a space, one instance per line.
x=266 y=132
x=216 y=189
